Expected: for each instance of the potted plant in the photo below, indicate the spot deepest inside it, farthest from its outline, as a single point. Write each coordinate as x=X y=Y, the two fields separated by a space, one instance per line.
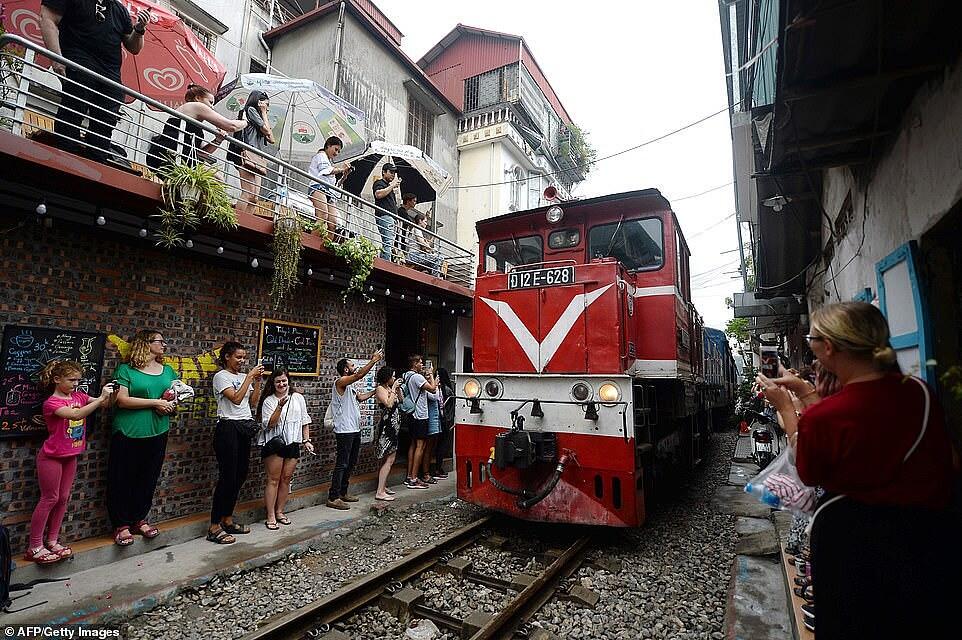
x=359 y=253
x=287 y=256
x=192 y=194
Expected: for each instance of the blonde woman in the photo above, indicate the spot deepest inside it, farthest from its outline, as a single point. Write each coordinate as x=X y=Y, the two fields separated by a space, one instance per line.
x=139 y=440
x=882 y=538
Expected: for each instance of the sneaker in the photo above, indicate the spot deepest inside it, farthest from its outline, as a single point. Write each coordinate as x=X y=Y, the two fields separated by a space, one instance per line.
x=429 y=480
x=410 y=483
x=349 y=498
x=809 y=611
x=440 y=476
x=418 y=484
x=338 y=504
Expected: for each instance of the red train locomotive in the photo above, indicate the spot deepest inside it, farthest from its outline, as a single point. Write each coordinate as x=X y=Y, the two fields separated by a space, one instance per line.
x=585 y=391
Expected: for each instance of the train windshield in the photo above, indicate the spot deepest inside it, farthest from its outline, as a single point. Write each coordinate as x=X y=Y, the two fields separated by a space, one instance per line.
x=637 y=244
x=513 y=252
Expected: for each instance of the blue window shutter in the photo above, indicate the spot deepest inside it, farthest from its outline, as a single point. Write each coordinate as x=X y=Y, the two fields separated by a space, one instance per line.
x=902 y=300
x=865 y=295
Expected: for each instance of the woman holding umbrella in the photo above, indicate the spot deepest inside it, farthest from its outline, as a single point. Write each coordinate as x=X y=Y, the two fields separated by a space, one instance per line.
x=251 y=167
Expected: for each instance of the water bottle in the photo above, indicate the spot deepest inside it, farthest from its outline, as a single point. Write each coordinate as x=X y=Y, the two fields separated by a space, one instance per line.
x=761 y=492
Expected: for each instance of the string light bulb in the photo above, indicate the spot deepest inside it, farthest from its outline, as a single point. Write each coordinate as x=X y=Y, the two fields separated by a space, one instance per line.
x=220 y=250
x=254 y=263
x=142 y=233
x=101 y=220
x=42 y=208
x=310 y=272
x=189 y=244
x=387 y=292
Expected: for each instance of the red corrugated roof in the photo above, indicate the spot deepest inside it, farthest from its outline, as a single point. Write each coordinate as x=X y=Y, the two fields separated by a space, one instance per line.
x=467 y=51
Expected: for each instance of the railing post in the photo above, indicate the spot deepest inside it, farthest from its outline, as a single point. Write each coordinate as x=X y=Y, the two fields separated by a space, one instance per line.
x=23 y=86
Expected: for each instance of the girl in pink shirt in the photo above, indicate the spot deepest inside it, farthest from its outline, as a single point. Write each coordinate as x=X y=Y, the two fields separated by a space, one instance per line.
x=65 y=413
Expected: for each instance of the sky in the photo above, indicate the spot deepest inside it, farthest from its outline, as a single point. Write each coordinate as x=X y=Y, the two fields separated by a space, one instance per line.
x=627 y=72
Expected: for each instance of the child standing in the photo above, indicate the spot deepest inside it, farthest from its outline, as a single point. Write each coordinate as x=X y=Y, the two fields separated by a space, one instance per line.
x=65 y=413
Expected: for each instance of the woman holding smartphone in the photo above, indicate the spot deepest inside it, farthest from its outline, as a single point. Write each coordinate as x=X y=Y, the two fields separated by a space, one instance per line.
x=235 y=393
x=286 y=425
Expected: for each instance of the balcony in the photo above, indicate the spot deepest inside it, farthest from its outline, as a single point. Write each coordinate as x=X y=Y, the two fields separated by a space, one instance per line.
x=124 y=196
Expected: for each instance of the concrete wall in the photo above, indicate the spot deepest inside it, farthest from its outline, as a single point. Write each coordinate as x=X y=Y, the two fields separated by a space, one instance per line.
x=373 y=79
x=480 y=164
x=915 y=182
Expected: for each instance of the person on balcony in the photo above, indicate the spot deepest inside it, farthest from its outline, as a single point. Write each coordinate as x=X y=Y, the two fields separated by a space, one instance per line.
x=251 y=168
x=90 y=34
x=166 y=146
x=325 y=175
x=407 y=212
x=423 y=254
x=384 y=197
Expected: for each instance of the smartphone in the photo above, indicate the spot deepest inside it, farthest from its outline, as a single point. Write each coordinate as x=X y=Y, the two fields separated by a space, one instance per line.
x=769 y=357
x=428 y=365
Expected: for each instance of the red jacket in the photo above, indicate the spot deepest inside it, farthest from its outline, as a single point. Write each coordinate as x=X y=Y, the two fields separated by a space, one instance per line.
x=854 y=443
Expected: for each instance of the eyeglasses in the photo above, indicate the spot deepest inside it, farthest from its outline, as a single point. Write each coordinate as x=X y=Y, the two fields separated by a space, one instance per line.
x=163 y=342
x=812 y=338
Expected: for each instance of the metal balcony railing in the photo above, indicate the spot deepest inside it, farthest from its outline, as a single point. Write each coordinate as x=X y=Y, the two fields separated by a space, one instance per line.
x=30 y=102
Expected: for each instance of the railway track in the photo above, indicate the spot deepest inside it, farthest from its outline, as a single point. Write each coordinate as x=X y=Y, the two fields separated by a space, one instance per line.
x=392 y=589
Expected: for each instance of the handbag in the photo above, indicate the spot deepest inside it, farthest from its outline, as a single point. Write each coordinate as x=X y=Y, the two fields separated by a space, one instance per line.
x=245 y=158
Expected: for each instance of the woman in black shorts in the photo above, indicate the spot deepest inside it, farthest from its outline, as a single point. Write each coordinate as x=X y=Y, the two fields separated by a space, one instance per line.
x=286 y=425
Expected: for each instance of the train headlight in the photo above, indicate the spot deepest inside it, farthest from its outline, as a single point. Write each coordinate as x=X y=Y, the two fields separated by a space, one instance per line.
x=554 y=214
x=580 y=392
x=472 y=388
x=493 y=388
x=609 y=393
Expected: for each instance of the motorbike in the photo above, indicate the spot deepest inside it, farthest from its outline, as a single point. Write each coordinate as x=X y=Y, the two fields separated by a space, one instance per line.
x=764 y=434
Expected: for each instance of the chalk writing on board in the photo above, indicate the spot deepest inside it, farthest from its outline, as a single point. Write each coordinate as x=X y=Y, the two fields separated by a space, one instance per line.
x=297 y=347
x=24 y=353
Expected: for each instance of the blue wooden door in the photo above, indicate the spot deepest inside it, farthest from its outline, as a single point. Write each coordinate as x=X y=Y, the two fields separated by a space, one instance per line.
x=902 y=300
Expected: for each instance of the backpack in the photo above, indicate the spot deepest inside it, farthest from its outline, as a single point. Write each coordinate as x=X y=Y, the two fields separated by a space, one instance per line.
x=408 y=406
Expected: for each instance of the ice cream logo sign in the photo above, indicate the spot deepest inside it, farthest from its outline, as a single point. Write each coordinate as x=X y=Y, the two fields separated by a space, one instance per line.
x=303 y=132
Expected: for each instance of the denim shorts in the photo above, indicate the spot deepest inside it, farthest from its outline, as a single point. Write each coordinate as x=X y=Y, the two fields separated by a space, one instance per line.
x=325 y=189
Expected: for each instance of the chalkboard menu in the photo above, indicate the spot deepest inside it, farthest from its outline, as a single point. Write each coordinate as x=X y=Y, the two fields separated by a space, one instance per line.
x=24 y=353
x=297 y=347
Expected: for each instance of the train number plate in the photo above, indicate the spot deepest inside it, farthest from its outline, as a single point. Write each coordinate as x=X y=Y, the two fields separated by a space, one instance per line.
x=553 y=277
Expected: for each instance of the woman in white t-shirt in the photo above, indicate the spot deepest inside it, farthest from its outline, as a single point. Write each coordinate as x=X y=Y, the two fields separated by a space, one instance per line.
x=235 y=393
x=286 y=424
x=325 y=174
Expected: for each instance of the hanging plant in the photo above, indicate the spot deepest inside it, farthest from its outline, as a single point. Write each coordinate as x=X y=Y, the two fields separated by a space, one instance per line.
x=359 y=253
x=192 y=195
x=287 y=257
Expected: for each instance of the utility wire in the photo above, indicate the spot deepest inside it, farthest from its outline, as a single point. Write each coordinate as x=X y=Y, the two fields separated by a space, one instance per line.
x=588 y=164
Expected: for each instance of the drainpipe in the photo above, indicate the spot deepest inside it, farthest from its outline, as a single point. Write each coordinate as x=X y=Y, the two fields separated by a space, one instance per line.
x=260 y=36
x=338 y=43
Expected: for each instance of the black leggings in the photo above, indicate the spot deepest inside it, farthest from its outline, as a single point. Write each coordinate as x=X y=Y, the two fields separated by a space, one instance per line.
x=233 y=451
x=133 y=467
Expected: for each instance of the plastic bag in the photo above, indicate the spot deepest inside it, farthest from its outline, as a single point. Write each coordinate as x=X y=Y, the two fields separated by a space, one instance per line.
x=779 y=486
x=422 y=630
x=178 y=392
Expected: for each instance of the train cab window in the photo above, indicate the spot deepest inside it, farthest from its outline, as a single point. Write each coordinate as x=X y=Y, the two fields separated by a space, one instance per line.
x=564 y=239
x=513 y=252
x=637 y=244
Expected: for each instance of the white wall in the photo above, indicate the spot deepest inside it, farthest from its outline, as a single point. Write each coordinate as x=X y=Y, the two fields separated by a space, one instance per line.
x=915 y=183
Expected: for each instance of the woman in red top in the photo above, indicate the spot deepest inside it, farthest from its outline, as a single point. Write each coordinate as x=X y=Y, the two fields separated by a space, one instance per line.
x=65 y=413
x=883 y=543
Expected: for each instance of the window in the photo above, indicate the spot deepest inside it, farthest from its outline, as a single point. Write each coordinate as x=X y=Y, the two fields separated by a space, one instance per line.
x=206 y=36
x=420 y=126
x=564 y=239
x=513 y=252
x=257 y=66
x=637 y=244
x=517 y=188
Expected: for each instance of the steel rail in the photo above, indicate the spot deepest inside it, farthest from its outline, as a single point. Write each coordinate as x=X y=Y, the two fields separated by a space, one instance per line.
x=504 y=625
x=368 y=589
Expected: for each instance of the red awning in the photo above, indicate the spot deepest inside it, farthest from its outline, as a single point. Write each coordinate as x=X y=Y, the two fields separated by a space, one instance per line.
x=172 y=57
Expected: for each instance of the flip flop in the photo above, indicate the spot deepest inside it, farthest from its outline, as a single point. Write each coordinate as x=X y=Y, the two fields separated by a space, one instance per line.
x=283 y=520
x=273 y=526
x=389 y=492
x=387 y=499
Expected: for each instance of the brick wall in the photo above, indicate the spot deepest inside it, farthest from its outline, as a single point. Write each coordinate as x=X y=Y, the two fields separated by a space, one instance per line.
x=85 y=279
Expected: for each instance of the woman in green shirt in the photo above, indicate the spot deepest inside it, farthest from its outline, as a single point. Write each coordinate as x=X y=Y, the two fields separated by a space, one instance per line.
x=139 y=440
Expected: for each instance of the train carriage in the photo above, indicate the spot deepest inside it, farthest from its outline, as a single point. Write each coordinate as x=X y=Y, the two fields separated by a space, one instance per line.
x=586 y=389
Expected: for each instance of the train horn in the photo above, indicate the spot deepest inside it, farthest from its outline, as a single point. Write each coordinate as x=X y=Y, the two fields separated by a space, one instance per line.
x=550 y=193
